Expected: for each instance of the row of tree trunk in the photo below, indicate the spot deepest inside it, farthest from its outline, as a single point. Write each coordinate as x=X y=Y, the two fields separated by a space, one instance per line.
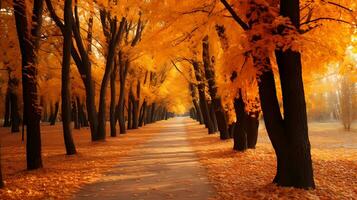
x=212 y=114
x=288 y=134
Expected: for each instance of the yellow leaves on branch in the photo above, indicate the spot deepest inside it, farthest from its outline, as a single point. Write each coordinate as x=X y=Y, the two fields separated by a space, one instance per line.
x=174 y=29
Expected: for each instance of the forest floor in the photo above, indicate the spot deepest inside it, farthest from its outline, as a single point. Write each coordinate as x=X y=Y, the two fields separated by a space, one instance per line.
x=159 y=153
x=249 y=175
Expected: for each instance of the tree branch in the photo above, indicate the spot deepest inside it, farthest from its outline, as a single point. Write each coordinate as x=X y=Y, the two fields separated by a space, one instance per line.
x=329 y=19
x=54 y=16
x=235 y=15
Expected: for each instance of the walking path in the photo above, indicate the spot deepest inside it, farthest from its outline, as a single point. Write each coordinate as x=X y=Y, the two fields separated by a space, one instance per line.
x=165 y=167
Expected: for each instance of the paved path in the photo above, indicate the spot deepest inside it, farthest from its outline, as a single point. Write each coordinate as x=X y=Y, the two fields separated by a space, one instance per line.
x=165 y=167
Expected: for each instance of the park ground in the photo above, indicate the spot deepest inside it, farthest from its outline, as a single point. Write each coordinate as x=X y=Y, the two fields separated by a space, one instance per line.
x=232 y=175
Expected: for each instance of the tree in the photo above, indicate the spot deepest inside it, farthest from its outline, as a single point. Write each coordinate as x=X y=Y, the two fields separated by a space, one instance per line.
x=299 y=171
x=66 y=93
x=294 y=166
x=124 y=66
x=80 y=56
x=29 y=43
x=212 y=88
x=114 y=35
x=202 y=98
x=345 y=97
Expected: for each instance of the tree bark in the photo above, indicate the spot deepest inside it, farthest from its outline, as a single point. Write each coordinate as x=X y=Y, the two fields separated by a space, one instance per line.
x=7 y=116
x=75 y=115
x=29 y=43
x=130 y=111
x=123 y=71
x=240 y=135
x=231 y=128
x=82 y=115
x=299 y=172
x=213 y=116
x=148 y=114
x=136 y=102
x=54 y=117
x=202 y=98
x=220 y=117
x=115 y=37
x=15 y=116
x=142 y=113
x=252 y=130
x=199 y=112
x=152 y=113
x=66 y=91
x=113 y=130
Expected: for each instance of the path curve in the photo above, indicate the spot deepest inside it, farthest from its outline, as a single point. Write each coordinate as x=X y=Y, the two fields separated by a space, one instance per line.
x=165 y=167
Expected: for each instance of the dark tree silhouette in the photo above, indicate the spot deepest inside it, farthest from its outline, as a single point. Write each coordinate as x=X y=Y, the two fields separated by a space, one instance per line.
x=65 y=92
x=29 y=43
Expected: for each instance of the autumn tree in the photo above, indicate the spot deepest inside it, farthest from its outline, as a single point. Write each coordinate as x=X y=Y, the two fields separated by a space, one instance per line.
x=80 y=55
x=66 y=93
x=29 y=36
x=346 y=94
x=289 y=133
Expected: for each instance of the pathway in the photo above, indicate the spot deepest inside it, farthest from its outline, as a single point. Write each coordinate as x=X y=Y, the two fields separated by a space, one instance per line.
x=165 y=167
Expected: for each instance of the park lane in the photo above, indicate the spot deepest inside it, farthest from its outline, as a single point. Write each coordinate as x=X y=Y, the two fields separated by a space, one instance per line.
x=165 y=167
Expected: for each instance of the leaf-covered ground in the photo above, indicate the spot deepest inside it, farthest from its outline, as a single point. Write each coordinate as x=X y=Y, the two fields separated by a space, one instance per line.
x=248 y=175
x=234 y=175
x=62 y=175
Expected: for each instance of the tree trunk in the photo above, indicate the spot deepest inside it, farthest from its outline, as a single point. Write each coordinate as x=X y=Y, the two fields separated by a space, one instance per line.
x=240 y=136
x=29 y=43
x=113 y=130
x=295 y=120
x=136 y=106
x=82 y=115
x=213 y=116
x=130 y=111
x=51 y=112
x=217 y=107
x=103 y=91
x=75 y=115
x=54 y=117
x=66 y=90
x=193 y=114
x=231 y=128
x=44 y=109
x=199 y=112
x=252 y=130
x=123 y=69
x=142 y=114
x=81 y=57
x=15 y=116
x=113 y=38
x=135 y=114
x=90 y=104
x=7 y=116
x=195 y=104
x=148 y=114
x=202 y=99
